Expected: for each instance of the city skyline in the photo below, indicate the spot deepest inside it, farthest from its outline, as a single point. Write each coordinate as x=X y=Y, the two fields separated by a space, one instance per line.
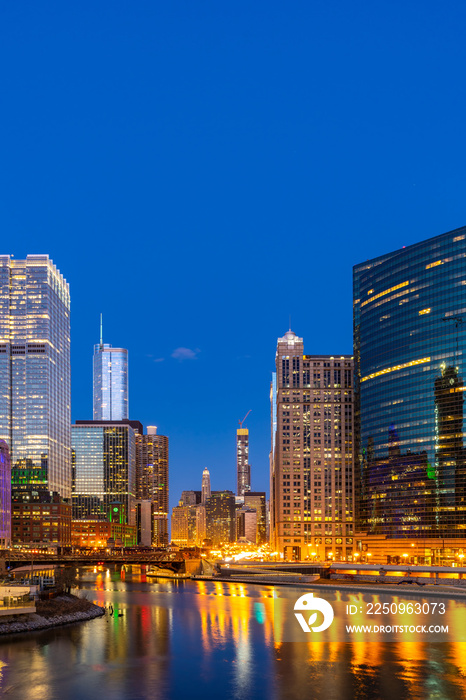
x=441 y=258
x=222 y=480
x=175 y=167
x=252 y=483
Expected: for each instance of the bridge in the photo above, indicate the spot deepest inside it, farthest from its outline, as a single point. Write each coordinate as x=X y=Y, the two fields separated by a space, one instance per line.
x=156 y=558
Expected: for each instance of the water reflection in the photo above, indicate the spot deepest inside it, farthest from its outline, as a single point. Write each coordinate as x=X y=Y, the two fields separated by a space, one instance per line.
x=205 y=639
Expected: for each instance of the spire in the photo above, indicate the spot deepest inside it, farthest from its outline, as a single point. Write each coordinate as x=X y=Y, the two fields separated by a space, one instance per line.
x=206 y=493
x=101 y=335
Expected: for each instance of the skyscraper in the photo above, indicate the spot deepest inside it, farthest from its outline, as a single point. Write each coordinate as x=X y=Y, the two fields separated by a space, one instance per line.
x=246 y=525
x=221 y=517
x=183 y=525
x=110 y=396
x=35 y=389
x=312 y=453
x=5 y=496
x=243 y=469
x=152 y=480
x=257 y=501
x=409 y=335
x=205 y=485
x=104 y=469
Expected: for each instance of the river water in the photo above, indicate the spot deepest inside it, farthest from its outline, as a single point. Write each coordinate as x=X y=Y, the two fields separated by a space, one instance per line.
x=192 y=639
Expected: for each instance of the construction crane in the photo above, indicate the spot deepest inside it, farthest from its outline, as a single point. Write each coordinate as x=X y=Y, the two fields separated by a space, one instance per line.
x=242 y=421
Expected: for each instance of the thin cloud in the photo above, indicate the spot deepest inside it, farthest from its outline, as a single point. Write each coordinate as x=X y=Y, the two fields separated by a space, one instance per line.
x=184 y=354
x=159 y=359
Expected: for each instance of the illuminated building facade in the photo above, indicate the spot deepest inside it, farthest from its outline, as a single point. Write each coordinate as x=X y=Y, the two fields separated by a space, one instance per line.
x=409 y=337
x=257 y=501
x=205 y=491
x=246 y=525
x=35 y=388
x=243 y=469
x=39 y=517
x=5 y=496
x=188 y=521
x=152 y=480
x=220 y=511
x=110 y=396
x=96 y=534
x=104 y=468
x=183 y=530
x=311 y=460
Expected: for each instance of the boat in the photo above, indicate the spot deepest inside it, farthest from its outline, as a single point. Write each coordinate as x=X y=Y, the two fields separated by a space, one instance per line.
x=167 y=573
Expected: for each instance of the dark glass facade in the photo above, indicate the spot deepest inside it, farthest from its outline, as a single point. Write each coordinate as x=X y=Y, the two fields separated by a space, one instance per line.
x=104 y=469
x=221 y=517
x=409 y=332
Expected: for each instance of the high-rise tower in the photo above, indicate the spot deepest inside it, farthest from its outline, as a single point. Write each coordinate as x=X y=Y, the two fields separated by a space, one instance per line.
x=110 y=395
x=35 y=387
x=104 y=469
x=243 y=469
x=409 y=339
x=312 y=453
x=205 y=485
x=152 y=480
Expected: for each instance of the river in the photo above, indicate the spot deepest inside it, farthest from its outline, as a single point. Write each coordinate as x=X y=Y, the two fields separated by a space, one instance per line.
x=191 y=639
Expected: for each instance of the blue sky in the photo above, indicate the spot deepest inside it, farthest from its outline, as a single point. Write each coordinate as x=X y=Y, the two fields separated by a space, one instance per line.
x=201 y=171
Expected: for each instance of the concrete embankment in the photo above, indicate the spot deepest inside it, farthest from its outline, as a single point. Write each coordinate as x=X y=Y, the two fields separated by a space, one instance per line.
x=444 y=591
x=62 y=610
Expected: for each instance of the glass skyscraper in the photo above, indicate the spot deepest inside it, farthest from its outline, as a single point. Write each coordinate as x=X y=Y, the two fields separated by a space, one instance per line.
x=409 y=334
x=110 y=396
x=35 y=390
x=104 y=469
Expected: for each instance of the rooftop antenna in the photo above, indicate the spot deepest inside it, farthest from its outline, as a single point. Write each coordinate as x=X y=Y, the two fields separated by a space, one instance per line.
x=289 y=317
x=101 y=336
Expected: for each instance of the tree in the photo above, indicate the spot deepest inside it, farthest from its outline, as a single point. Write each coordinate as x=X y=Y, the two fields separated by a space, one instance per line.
x=66 y=578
